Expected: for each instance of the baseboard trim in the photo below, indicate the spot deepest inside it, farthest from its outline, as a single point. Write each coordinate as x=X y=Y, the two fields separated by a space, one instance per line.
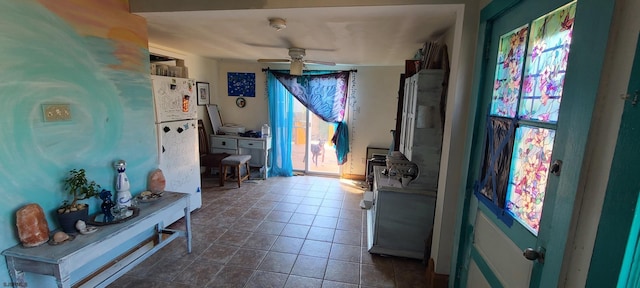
x=353 y=177
x=434 y=279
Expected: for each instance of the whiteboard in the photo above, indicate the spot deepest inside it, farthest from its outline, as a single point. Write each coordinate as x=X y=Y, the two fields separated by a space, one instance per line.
x=214 y=116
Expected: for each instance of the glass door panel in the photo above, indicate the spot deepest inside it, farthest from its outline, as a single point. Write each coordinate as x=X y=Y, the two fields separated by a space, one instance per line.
x=312 y=150
x=322 y=152
x=538 y=96
x=299 y=137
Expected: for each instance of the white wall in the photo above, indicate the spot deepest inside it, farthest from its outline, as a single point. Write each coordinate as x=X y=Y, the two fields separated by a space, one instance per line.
x=200 y=68
x=256 y=112
x=602 y=141
x=456 y=144
x=372 y=113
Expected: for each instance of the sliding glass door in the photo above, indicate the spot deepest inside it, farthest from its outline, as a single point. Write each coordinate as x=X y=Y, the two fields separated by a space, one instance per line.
x=312 y=150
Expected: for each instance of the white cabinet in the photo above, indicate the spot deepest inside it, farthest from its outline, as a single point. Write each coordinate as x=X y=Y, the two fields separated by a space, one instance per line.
x=400 y=219
x=258 y=148
x=421 y=134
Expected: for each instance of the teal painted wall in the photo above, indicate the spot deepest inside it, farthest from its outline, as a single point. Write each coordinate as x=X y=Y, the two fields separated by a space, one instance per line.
x=94 y=58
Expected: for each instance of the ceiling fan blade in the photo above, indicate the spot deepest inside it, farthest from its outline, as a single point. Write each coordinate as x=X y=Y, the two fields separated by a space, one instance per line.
x=274 y=60
x=319 y=62
x=279 y=47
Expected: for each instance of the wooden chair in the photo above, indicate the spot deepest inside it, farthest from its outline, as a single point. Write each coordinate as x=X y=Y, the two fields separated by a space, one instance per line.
x=208 y=160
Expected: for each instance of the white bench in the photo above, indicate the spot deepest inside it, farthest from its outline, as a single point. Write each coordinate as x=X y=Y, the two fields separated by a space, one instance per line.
x=70 y=263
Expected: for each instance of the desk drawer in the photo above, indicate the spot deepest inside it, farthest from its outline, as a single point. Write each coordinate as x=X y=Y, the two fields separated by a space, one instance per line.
x=224 y=143
x=228 y=151
x=251 y=144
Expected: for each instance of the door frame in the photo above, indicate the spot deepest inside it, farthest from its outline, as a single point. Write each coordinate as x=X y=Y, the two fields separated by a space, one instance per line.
x=621 y=194
x=304 y=169
x=589 y=42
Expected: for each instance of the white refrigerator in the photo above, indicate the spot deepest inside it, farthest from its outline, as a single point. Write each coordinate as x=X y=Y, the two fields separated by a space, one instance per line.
x=177 y=130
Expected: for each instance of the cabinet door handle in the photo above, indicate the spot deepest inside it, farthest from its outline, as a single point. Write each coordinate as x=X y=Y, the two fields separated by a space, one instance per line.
x=224 y=143
x=250 y=144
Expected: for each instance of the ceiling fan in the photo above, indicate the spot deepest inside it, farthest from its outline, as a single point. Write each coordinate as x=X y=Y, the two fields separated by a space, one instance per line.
x=297 y=61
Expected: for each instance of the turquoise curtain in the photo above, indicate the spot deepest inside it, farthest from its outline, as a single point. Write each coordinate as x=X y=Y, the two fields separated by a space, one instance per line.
x=324 y=94
x=281 y=119
x=630 y=270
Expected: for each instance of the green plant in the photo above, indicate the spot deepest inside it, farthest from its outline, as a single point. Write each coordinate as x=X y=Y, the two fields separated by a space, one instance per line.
x=80 y=188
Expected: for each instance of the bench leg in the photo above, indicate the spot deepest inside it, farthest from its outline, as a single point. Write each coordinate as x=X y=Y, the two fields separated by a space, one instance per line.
x=223 y=174
x=239 y=174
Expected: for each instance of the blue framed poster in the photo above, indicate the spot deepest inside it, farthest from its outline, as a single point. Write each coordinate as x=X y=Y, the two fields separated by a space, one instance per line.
x=241 y=84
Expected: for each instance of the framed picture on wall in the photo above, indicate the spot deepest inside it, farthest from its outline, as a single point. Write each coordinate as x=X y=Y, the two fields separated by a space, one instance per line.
x=241 y=84
x=202 y=88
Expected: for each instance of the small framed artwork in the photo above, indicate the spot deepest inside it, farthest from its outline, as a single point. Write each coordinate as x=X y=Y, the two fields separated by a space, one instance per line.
x=241 y=84
x=204 y=95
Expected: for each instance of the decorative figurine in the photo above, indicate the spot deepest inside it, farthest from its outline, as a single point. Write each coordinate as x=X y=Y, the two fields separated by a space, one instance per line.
x=122 y=185
x=106 y=206
x=84 y=229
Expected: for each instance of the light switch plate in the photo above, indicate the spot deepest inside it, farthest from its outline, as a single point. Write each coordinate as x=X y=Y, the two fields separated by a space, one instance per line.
x=56 y=112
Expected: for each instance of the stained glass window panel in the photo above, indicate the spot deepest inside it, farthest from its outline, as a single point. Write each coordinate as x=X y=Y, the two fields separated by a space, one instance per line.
x=546 y=65
x=497 y=159
x=528 y=177
x=506 y=87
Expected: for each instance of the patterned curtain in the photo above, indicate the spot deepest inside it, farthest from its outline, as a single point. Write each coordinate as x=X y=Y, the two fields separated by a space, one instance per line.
x=326 y=96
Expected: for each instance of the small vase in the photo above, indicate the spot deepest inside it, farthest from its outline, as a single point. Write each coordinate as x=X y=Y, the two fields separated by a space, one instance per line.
x=68 y=221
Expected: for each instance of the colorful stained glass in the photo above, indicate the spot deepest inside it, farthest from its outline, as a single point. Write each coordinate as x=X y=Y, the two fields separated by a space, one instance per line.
x=506 y=88
x=528 y=178
x=546 y=66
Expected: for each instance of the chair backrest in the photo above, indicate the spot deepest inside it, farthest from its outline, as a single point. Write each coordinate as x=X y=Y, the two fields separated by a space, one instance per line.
x=202 y=139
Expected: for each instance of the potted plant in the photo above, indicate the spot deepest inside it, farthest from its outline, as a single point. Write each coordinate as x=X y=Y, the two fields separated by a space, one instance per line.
x=80 y=188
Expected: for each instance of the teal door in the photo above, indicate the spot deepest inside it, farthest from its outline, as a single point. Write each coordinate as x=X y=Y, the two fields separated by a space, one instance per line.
x=536 y=79
x=617 y=246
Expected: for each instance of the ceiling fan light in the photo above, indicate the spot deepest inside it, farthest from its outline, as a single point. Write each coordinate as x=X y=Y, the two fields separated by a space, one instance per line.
x=277 y=23
x=296 y=68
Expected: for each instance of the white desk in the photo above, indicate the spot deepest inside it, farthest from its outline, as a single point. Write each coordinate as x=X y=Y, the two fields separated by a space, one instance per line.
x=70 y=257
x=258 y=148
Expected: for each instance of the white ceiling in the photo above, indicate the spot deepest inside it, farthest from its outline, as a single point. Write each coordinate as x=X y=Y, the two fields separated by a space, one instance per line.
x=353 y=36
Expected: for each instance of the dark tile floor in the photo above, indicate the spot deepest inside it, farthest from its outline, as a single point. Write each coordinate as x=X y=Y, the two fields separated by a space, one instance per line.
x=301 y=231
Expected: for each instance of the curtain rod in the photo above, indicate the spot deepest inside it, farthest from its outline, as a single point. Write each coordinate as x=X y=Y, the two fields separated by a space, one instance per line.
x=352 y=70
